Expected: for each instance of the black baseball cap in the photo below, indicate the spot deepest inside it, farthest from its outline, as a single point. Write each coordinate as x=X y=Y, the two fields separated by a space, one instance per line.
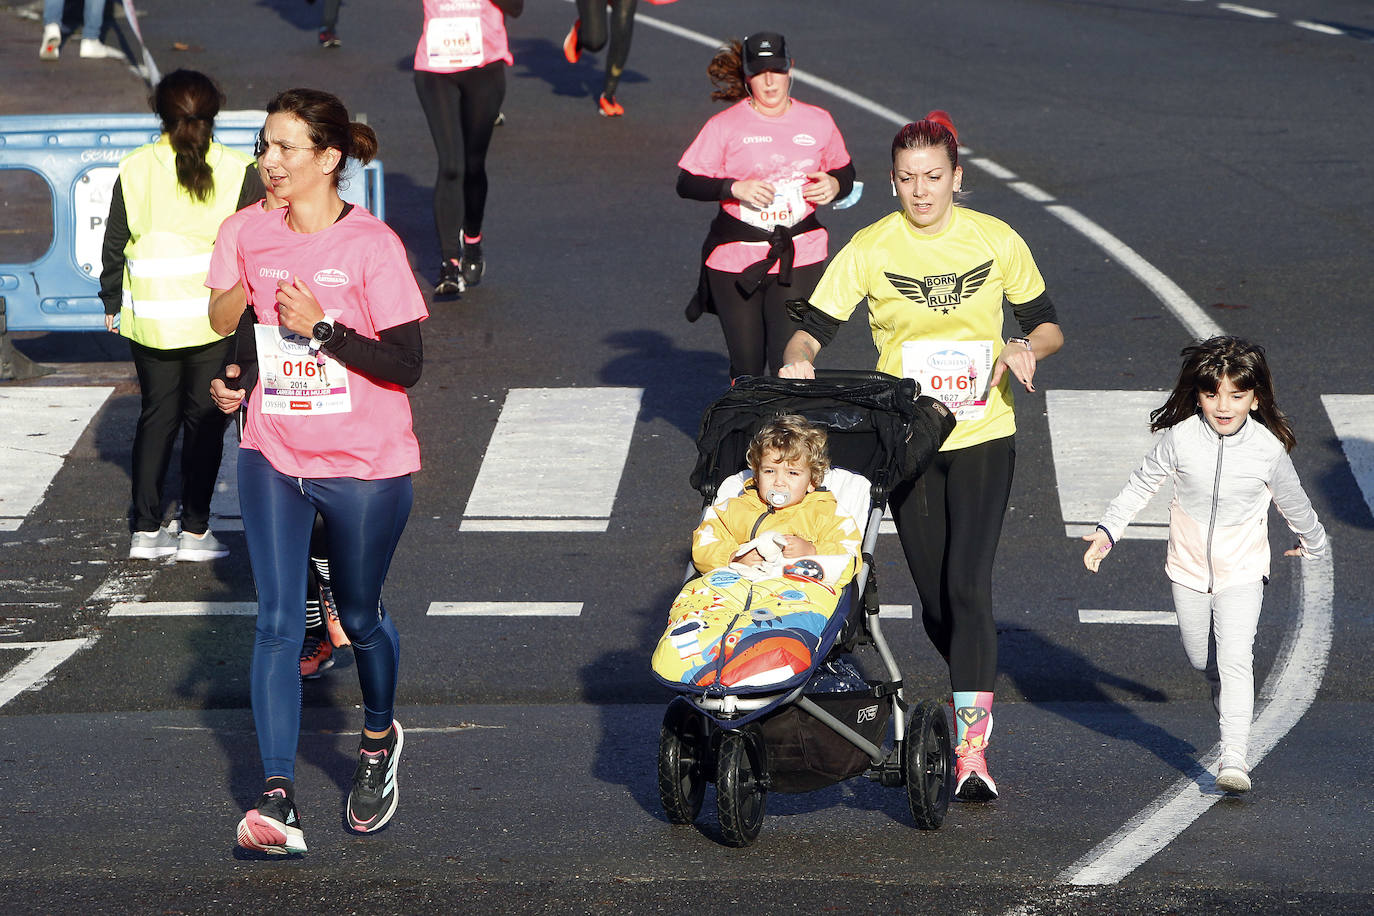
x=765 y=51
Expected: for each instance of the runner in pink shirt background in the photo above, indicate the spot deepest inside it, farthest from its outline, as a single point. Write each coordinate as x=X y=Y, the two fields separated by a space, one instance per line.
x=769 y=161
x=460 y=77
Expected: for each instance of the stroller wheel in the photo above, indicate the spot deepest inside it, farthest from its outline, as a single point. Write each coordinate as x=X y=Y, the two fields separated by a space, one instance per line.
x=682 y=778
x=741 y=790
x=927 y=764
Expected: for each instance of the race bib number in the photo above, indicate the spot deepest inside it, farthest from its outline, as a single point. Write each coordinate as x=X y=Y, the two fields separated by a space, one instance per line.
x=294 y=380
x=454 y=42
x=954 y=372
x=788 y=208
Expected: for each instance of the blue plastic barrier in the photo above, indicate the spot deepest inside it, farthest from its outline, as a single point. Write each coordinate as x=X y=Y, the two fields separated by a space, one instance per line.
x=78 y=157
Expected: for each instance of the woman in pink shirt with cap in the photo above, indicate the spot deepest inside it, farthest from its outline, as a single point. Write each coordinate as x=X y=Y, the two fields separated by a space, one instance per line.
x=769 y=161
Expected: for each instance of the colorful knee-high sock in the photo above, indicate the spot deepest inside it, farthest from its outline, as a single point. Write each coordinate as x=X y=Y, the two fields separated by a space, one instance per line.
x=972 y=717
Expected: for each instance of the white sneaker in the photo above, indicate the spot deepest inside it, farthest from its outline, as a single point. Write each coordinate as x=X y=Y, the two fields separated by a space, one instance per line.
x=194 y=548
x=52 y=42
x=1232 y=774
x=93 y=47
x=152 y=545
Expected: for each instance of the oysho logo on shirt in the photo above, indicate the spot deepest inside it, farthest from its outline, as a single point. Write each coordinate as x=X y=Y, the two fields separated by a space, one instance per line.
x=756 y=140
x=274 y=273
x=804 y=140
x=331 y=276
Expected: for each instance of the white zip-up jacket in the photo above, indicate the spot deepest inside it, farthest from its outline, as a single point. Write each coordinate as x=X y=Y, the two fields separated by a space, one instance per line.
x=1219 y=519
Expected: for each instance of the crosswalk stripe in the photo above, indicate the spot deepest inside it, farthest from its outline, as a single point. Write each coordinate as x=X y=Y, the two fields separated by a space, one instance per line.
x=1352 y=417
x=184 y=609
x=505 y=609
x=41 y=426
x=1145 y=618
x=35 y=669
x=555 y=457
x=1091 y=468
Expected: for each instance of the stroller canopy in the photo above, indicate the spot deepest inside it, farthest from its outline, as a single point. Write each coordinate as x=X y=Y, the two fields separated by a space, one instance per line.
x=878 y=425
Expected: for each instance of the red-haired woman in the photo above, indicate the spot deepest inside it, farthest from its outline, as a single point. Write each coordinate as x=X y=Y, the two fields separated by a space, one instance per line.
x=935 y=276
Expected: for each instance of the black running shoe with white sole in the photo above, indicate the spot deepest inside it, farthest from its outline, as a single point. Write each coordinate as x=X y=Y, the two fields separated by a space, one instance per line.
x=272 y=826
x=474 y=265
x=373 y=799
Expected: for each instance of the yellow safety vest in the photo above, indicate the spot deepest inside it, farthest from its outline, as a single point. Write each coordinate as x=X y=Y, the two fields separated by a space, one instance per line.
x=171 y=234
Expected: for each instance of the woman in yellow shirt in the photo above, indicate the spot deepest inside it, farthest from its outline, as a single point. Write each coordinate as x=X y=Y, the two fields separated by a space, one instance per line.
x=935 y=276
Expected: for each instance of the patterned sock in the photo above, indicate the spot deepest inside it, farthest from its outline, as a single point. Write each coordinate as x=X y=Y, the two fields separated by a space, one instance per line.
x=281 y=782
x=972 y=717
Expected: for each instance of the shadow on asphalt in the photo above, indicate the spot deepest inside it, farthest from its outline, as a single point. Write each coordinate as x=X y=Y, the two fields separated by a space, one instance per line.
x=1046 y=673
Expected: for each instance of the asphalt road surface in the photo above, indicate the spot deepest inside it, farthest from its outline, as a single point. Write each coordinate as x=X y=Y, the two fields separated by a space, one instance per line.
x=1177 y=168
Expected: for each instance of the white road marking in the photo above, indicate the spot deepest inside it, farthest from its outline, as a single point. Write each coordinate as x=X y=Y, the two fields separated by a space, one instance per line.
x=1352 y=417
x=895 y=611
x=1141 y=618
x=1318 y=27
x=1247 y=11
x=556 y=453
x=1287 y=694
x=535 y=524
x=505 y=609
x=992 y=168
x=184 y=609
x=1092 y=468
x=35 y=669
x=1031 y=192
x=1167 y=291
x=41 y=426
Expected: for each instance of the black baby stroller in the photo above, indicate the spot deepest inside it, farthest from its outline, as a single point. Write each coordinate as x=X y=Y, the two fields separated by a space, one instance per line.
x=828 y=723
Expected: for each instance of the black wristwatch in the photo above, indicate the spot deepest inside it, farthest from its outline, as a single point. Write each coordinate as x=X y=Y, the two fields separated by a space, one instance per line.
x=321 y=333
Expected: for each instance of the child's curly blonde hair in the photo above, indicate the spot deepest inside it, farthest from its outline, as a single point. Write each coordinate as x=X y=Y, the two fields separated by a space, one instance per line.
x=796 y=441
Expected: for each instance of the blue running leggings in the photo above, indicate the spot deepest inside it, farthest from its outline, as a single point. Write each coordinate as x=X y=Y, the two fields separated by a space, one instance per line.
x=365 y=519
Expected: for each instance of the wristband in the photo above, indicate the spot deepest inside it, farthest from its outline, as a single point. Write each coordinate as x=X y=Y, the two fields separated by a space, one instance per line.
x=1111 y=541
x=1023 y=341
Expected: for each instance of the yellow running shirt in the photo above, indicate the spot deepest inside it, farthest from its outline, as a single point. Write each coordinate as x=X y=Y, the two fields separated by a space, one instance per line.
x=935 y=308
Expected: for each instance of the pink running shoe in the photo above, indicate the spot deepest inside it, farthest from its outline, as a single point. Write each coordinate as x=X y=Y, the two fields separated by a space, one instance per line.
x=272 y=826
x=971 y=780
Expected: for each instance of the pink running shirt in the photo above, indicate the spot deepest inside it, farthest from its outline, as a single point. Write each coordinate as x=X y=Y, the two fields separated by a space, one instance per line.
x=739 y=143
x=358 y=271
x=461 y=35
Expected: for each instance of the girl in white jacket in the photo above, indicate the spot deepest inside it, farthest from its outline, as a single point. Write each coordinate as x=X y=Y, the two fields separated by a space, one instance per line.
x=1225 y=470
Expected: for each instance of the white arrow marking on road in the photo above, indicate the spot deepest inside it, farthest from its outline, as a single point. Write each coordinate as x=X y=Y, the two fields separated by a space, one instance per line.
x=35 y=669
x=554 y=461
x=41 y=426
x=1091 y=468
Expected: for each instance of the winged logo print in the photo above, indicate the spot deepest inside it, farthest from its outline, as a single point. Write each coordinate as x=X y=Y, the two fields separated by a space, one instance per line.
x=941 y=291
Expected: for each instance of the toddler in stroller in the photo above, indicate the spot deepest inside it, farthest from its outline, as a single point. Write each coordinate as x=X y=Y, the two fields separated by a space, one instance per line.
x=758 y=649
x=772 y=559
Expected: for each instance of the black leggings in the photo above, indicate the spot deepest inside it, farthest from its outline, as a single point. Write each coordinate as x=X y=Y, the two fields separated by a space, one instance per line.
x=756 y=327
x=591 y=35
x=175 y=390
x=461 y=109
x=950 y=521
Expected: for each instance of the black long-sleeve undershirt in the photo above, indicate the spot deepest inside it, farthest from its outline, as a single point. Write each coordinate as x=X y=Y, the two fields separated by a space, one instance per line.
x=396 y=357
x=699 y=187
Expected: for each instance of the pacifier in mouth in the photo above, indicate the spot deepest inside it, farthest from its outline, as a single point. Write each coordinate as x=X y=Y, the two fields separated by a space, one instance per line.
x=777 y=498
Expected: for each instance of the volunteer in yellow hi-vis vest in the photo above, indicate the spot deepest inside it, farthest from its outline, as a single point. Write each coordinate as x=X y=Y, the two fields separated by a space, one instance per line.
x=165 y=210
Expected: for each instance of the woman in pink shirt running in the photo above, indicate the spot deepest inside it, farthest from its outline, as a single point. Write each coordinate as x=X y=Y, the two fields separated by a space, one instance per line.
x=326 y=349
x=769 y=161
